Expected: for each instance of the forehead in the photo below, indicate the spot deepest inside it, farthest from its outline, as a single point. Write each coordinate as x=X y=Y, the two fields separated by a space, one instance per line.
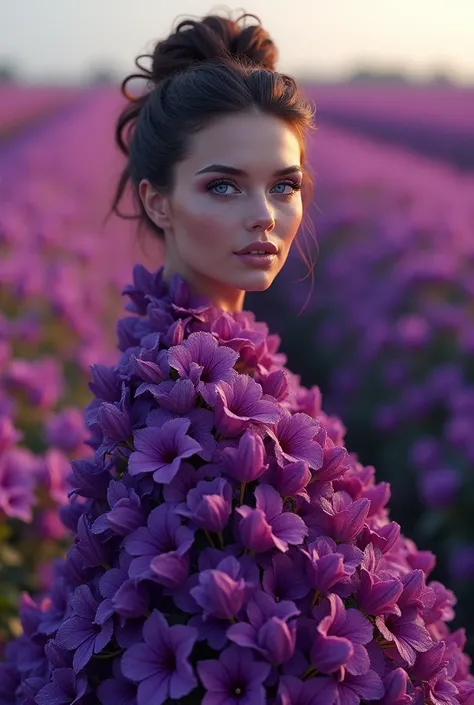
x=245 y=140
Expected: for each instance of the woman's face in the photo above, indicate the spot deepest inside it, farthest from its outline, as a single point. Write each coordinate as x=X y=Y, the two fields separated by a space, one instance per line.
x=213 y=214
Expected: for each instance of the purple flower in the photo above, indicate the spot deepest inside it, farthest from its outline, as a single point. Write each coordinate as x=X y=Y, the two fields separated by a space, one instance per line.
x=9 y=435
x=126 y=513
x=267 y=525
x=395 y=687
x=235 y=678
x=285 y=577
x=160 y=662
x=221 y=591
x=66 y=688
x=340 y=637
x=160 y=548
x=80 y=633
x=315 y=691
x=118 y=689
x=376 y=596
x=344 y=518
x=201 y=359
x=179 y=396
x=209 y=504
x=294 y=440
x=246 y=462
x=66 y=430
x=325 y=565
x=161 y=450
x=269 y=631
x=240 y=402
x=17 y=467
x=356 y=689
x=407 y=632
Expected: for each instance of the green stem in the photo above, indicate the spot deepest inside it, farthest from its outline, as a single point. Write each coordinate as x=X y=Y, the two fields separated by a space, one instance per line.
x=209 y=538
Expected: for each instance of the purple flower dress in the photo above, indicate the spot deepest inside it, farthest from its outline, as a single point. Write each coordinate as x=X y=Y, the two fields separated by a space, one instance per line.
x=228 y=549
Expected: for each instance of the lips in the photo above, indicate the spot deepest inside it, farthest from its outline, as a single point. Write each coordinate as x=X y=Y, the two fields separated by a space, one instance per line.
x=266 y=247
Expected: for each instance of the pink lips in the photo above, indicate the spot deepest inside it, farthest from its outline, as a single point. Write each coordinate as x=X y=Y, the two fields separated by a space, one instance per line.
x=268 y=247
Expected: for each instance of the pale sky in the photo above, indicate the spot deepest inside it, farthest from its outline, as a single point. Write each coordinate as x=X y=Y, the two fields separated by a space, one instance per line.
x=66 y=38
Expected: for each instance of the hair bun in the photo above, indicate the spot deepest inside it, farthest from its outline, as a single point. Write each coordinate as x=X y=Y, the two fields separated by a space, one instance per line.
x=212 y=37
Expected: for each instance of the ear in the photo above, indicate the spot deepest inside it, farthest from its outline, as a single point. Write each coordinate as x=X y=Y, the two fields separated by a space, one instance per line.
x=156 y=204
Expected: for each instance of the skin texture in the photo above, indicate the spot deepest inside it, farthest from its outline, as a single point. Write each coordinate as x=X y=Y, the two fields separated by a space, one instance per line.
x=205 y=227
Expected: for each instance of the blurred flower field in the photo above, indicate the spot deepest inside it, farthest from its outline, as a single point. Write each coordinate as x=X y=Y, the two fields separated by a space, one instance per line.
x=387 y=335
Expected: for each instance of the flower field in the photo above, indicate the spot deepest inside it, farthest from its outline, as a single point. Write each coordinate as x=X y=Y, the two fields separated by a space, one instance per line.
x=61 y=274
x=387 y=335
x=435 y=121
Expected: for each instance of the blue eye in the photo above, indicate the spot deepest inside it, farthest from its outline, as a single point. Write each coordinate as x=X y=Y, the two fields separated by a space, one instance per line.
x=295 y=187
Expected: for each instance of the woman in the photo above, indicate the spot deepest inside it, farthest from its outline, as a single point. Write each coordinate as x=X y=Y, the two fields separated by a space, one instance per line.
x=228 y=548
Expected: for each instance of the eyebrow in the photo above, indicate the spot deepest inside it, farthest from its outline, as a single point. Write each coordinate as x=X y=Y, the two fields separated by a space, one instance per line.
x=222 y=168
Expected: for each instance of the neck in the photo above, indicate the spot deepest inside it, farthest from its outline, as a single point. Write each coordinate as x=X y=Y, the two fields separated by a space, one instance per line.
x=221 y=296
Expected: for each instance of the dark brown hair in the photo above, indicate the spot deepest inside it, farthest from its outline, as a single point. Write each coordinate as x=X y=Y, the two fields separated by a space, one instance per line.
x=204 y=69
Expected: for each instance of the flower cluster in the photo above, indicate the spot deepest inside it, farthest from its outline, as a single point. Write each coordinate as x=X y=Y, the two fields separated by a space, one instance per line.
x=228 y=547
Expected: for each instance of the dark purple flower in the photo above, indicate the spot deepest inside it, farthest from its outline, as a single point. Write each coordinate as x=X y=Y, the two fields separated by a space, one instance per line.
x=126 y=513
x=235 y=677
x=285 y=577
x=209 y=504
x=161 y=450
x=271 y=629
x=66 y=688
x=81 y=633
x=160 y=663
x=221 y=591
x=314 y=691
x=160 y=548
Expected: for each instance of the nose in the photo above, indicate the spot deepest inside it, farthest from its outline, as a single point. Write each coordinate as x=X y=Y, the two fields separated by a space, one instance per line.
x=262 y=218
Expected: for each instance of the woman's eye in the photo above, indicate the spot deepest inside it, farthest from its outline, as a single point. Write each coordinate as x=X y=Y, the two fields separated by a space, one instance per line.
x=291 y=186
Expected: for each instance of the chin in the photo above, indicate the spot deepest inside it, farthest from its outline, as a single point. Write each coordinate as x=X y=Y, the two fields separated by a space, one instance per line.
x=257 y=281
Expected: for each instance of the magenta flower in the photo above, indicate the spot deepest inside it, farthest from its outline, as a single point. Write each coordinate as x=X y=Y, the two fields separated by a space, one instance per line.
x=240 y=402
x=267 y=525
x=235 y=677
x=161 y=450
x=201 y=359
x=160 y=663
